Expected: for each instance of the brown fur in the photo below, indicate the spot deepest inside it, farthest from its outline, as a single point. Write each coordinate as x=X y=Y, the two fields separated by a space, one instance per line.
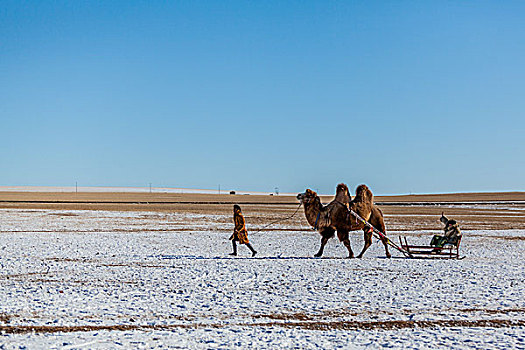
x=326 y=219
x=363 y=205
x=342 y=194
x=336 y=216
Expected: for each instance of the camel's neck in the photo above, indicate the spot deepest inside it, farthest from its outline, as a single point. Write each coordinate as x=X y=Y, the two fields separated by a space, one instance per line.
x=311 y=211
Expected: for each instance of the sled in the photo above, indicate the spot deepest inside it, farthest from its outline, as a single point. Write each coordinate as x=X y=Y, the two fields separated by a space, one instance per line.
x=448 y=251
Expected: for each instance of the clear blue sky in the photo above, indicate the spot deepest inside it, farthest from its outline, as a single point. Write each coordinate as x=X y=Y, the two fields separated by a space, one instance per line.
x=406 y=96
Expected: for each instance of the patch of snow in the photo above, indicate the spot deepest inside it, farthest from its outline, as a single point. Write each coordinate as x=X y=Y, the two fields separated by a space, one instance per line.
x=102 y=268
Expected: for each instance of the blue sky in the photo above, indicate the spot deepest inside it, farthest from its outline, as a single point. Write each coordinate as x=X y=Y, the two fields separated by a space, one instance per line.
x=406 y=96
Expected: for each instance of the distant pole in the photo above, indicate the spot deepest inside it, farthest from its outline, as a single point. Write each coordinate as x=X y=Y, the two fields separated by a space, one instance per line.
x=219 y=188
x=150 y=187
x=76 y=186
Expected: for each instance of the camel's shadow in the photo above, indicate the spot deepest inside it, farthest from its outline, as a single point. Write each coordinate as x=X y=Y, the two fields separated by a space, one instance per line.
x=199 y=257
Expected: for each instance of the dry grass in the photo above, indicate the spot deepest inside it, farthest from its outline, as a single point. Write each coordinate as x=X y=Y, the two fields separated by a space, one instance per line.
x=423 y=215
x=311 y=325
x=152 y=198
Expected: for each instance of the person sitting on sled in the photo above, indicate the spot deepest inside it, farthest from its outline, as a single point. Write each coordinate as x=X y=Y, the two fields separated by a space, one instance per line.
x=451 y=236
x=240 y=234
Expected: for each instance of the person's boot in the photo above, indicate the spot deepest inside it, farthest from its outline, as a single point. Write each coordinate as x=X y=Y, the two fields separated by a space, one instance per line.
x=251 y=248
x=234 y=249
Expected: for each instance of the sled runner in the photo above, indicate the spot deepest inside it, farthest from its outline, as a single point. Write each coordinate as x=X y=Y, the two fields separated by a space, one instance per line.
x=448 y=251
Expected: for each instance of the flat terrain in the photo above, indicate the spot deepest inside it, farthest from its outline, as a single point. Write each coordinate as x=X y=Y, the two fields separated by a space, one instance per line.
x=131 y=270
x=419 y=212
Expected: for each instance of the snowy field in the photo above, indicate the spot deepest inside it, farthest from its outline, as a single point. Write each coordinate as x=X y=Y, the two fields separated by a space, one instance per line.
x=101 y=279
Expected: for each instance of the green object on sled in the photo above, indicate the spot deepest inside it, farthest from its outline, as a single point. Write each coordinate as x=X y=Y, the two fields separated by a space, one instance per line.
x=440 y=241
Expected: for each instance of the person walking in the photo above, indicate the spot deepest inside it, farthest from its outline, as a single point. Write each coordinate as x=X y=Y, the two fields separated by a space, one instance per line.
x=240 y=234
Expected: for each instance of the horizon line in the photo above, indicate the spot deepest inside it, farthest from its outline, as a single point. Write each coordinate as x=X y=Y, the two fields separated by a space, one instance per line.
x=181 y=190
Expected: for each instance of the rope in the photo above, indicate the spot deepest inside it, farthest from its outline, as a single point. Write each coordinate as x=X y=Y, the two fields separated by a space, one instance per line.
x=378 y=233
x=316 y=221
x=278 y=220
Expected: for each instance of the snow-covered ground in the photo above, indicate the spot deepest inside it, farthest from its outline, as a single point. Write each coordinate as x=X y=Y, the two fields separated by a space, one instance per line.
x=101 y=279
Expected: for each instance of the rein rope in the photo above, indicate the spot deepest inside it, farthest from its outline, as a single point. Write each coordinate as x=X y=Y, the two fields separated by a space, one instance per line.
x=279 y=220
x=316 y=221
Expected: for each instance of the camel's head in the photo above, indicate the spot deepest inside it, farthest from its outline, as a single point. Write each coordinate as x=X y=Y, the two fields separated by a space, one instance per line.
x=307 y=197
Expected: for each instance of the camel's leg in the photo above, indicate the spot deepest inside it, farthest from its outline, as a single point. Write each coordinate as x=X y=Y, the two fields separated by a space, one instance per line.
x=378 y=222
x=385 y=243
x=368 y=241
x=326 y=234
x=343 y=237
x=321 y=249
